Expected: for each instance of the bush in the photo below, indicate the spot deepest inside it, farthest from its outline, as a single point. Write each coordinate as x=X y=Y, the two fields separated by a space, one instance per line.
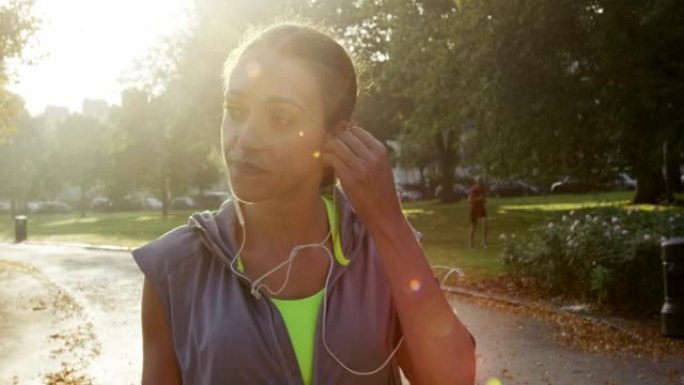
x=610 y=255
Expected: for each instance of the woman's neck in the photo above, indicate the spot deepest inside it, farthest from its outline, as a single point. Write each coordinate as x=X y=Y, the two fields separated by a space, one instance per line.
x=276 y=226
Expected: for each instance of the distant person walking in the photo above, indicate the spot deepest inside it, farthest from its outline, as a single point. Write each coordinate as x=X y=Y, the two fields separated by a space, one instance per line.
x=476 y=201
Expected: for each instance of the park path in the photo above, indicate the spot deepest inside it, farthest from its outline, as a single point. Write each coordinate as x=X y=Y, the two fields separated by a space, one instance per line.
x=82 y=307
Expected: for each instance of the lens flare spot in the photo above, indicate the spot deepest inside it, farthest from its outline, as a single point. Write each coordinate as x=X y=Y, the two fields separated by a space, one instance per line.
x=301 y=133
x=317 y=154
x=493 y=381
x=414 y=285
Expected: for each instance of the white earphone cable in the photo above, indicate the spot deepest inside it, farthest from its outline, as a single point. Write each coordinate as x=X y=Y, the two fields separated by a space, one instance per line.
x=256 y=284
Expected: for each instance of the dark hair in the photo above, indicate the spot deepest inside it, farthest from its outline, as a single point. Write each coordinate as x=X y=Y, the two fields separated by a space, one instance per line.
x=330 y=62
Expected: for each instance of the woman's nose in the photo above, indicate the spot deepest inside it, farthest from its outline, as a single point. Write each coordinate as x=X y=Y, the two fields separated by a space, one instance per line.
x=248 y=135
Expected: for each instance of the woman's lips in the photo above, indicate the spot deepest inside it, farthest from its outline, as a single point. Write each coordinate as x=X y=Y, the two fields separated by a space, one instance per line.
x=247 y=168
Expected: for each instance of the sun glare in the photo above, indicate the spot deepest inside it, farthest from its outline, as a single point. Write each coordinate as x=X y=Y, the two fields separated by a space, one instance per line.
x=84 y=48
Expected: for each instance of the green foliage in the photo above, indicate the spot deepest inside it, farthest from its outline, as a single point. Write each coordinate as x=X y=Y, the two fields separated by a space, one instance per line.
x=27 y=167
x=608 y=255
x=575 y=87
x=78 y=153
x=17 y=26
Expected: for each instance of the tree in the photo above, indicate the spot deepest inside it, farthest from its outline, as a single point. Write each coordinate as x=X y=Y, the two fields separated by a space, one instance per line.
x=26 y=167
x=80 y=154
x=173 y=132
x=580 y=88
x=18 y=25
x=406 y=51
x=156 y=138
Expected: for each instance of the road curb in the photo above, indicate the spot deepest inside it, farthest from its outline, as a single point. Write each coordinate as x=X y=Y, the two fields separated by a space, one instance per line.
x=489 y=296
x=615 y=323
x=79 y=245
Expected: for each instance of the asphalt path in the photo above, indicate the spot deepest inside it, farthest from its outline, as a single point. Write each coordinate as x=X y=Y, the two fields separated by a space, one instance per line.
x=70 y=311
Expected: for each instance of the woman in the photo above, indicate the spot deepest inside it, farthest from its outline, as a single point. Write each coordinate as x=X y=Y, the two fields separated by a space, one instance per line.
x=476 y=202
x=285 y=284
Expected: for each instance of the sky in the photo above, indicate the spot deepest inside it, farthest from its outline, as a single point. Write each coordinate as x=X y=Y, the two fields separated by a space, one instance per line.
x=85 y=47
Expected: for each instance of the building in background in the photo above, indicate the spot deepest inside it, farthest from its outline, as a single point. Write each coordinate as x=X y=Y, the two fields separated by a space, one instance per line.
x=96 y=108
x=54 y=116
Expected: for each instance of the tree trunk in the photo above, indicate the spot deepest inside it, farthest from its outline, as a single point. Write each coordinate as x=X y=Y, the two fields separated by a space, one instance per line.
x=83 y=204
x=13 y=207
x=447 y=162
x=165 y=196
x=647 y=162
x=673 y=160
x=650 y=187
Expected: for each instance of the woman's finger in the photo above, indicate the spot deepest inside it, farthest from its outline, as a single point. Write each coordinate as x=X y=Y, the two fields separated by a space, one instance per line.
x=343 y=152
x=356 y=145
x=366 y=138
x=330 y=159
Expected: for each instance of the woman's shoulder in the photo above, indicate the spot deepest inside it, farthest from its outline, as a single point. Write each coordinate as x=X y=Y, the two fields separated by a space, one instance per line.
x=158 y=258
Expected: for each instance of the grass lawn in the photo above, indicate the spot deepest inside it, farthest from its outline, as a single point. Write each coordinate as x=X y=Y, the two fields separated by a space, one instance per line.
x=445 y=227
x=121 y=229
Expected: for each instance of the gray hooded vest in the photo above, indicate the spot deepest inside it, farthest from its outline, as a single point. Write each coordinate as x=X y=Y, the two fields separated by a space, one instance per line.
x=223 y=335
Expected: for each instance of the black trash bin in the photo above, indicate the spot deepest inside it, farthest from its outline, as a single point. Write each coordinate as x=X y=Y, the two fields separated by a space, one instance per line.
x=20 y=228
x=672 y=312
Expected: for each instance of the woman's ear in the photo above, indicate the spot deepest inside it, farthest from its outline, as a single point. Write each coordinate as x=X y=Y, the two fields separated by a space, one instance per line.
x=340 y=128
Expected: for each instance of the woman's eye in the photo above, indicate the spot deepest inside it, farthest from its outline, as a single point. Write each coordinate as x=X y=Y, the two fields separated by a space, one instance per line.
x=282 y=119
x=235 y=112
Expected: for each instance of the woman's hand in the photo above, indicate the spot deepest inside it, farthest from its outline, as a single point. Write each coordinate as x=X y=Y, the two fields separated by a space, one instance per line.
x=363 y=166
x=438 y=348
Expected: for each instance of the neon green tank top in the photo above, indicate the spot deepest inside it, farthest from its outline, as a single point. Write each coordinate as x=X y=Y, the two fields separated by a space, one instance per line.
x=301 y=315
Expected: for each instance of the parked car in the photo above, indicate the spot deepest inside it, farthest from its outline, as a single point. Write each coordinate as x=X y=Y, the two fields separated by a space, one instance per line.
x=127 y=203
x=54 y=206
x=150 y=203
x=513 y=188
x=100 y=204
x=409 y=193
x=32 y=206
x=570 y=185
x=210 y=200
x=534 y=189
x=183 y=203
x=131 y=203
x=461 y=190
x=624 y=182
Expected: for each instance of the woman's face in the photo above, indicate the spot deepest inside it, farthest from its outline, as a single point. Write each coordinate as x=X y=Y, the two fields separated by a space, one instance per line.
x=272 y=129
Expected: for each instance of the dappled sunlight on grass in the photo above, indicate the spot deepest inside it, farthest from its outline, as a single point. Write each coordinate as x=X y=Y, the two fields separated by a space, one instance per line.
x=648 y=207
x=122 y=228
x=558 y=206
x=70 y=221
x=562 y=202
x=413 y=212
x=445 y=229
x=156 y=218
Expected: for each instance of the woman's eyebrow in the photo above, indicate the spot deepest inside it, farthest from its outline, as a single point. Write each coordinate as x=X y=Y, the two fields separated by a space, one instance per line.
x=281 y=99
